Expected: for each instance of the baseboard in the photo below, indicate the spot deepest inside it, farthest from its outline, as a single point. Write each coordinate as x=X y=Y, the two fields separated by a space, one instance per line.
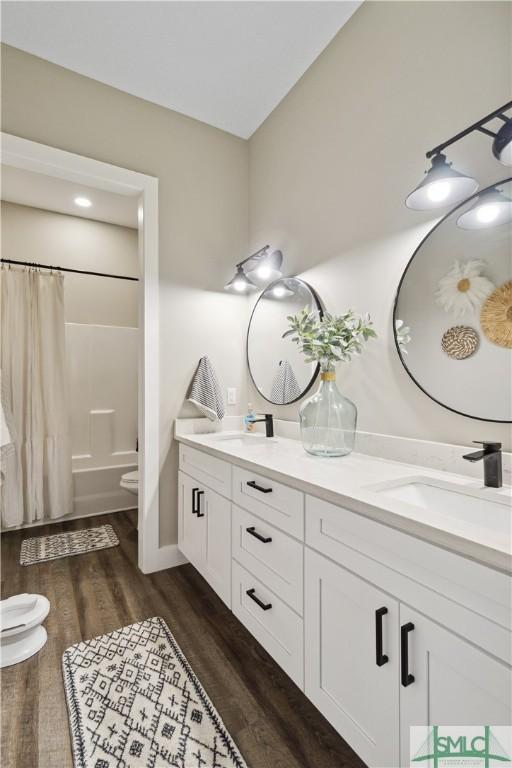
x=168 y=556
x=64 y=519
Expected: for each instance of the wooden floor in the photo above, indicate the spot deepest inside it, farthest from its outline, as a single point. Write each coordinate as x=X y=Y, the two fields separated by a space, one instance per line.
x=272 y=722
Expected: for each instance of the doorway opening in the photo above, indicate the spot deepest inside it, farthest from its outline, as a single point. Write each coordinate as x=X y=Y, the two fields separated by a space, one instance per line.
x=110 y=317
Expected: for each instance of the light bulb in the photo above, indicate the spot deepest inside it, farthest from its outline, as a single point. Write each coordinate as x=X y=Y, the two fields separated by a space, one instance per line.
x=279 y=291
x=83 y=202
x=438 y=191
x=239 y=285
x=487 y=213
x=264 y=272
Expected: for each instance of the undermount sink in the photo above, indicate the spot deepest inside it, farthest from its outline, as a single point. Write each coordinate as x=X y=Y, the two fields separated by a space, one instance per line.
x=478 y=506
x=239 y=438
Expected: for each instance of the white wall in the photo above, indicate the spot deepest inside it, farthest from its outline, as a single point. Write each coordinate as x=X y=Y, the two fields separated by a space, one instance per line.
x=46 y=237
x=203 y=187
x=331 y=166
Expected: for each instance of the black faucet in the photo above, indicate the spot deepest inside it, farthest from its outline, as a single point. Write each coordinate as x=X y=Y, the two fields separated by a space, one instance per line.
x=491 y=456
x=269 y=423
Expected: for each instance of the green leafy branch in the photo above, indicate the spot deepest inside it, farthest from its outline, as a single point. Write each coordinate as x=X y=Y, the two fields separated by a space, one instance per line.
x=330 y=339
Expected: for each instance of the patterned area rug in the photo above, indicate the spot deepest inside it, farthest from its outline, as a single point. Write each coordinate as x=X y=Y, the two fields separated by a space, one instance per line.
x=134 y=702
x=42 y=548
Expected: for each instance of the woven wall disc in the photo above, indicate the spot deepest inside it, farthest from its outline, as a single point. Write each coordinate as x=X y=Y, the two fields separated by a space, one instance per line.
x=460 y=342
x=496 y=316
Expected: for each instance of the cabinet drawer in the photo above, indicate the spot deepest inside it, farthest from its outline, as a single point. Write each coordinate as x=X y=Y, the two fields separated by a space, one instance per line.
x=278 y=629
x=276 y=503
x=214 y=473
x=271 y=555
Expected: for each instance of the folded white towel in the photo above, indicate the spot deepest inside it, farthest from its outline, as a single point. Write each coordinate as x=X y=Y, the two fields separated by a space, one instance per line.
x=285 y=387
x=206 y=392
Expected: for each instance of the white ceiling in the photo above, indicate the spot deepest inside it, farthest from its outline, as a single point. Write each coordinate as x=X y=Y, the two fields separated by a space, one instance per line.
x=52 y=194
x=225 y=63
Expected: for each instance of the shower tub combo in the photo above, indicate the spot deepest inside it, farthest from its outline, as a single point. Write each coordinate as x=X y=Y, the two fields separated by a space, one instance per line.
x=102 y=381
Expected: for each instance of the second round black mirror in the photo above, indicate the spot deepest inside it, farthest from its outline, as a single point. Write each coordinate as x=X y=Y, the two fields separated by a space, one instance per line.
x=277 y=368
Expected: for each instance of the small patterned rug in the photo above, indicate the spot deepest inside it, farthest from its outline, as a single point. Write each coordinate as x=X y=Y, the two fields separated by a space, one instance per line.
x=42 y=548
x=134 y=702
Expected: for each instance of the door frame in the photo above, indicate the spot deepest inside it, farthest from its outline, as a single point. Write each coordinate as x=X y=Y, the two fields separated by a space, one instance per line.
x=50 y=161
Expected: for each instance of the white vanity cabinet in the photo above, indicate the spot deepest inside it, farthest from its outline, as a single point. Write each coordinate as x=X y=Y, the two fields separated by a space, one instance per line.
x=454 y=682
x=204 y=533
x=352 y=658
x=374 y=667
x=381 y=629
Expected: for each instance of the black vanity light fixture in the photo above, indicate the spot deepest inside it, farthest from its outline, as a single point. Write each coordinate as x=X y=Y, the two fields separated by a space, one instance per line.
x=442 y=184
x=264 y=264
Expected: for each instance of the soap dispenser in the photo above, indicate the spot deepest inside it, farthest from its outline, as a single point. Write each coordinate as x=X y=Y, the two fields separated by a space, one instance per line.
x=249 y=418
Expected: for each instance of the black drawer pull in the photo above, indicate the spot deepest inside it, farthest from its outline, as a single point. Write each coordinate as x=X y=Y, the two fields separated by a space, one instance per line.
x=380 y=658
x=264 y=606
x=196 y=502
x=253 y=532
x=253 y=484
x=407 y=678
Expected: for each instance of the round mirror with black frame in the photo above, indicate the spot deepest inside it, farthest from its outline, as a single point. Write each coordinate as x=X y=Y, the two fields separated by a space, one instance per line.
x=452 y=317
x=276 y=365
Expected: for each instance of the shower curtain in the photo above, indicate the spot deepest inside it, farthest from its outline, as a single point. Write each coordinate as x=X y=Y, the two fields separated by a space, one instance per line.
x=36 y=480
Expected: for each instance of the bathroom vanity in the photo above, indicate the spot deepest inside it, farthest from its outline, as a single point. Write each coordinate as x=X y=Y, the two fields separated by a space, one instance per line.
x=382 y=589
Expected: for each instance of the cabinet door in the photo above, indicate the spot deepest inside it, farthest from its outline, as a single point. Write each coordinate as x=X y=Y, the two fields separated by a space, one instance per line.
x=191 y=520
x=351 y=658
x=452 y=683
x=217 y=560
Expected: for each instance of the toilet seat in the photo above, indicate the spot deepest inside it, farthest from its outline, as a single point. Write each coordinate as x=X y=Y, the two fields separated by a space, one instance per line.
x=21 y=633
x=131 y=477
x=22 y=612
x=130 y=481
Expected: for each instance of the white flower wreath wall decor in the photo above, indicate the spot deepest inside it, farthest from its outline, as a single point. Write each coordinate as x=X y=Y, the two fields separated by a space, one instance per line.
x=464 y=287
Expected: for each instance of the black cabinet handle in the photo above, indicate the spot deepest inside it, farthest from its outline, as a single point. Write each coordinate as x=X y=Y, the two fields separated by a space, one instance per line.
x=407 y=678
x=263 y=606
x=253 y=484
x=196 y=502
x=380 y=658
x=264 y=539
x=198 y=510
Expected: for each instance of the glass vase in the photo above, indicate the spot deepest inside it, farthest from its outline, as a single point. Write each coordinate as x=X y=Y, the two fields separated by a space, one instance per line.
x=328 y=420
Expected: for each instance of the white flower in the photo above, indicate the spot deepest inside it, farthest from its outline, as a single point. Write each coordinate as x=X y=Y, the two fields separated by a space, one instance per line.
x=464 y=287
x=402 y=333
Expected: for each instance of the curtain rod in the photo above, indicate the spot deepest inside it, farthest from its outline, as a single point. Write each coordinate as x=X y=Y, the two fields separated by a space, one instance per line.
x=66 y=269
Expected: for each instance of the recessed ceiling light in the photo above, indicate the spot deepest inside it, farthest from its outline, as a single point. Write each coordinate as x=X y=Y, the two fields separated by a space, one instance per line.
x=83 y=202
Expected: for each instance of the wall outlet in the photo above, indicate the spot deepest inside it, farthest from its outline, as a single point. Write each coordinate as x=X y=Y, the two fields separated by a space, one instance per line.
x=231 y=395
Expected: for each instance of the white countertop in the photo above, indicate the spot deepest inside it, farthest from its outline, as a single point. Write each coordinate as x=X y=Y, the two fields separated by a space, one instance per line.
x=345 y=481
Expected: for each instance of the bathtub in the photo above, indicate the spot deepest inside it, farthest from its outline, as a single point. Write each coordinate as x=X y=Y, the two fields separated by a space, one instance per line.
x=96 y=481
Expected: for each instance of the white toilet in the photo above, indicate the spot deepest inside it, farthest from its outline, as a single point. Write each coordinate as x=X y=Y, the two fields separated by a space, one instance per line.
x=130 y=482
x=21 y=633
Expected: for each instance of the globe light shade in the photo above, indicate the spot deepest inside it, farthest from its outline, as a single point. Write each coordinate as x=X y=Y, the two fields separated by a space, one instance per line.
x=441 y=186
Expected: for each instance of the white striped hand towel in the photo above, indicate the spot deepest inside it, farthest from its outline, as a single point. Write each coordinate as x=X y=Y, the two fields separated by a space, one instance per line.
x=206 y=392
x=285 y=387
